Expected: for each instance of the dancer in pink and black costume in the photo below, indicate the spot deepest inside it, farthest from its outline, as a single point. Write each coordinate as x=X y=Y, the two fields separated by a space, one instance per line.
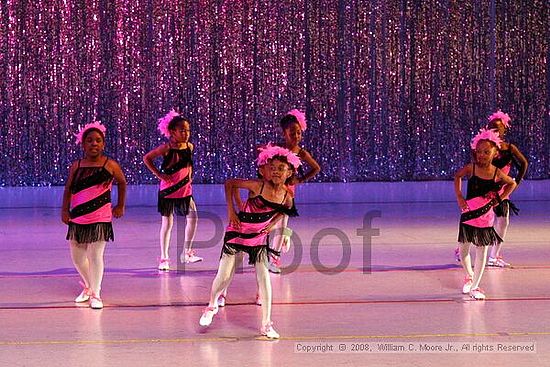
x=508 y=155
x=247 y=231
x=87 y=210
x=477 y=219
x=293 y=125
x=175 y=193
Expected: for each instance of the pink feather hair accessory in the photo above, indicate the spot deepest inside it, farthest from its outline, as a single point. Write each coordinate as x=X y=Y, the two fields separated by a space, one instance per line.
x=165 y=121
x=270 y=151
x=300 y=116
x=486 y=134
x=92 y=125
x=499 y=115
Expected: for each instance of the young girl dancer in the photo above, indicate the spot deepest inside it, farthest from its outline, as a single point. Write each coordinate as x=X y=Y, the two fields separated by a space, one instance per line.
x=87 y=209
x=476 y=221
x=293 y=124
x=264 y=173
x=175 y=194
x=508 y=155
x=247 y=232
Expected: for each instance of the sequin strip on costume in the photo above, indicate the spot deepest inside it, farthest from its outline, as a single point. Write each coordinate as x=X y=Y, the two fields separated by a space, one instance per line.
x=256 y=215
x=476 y=225
x=175 y=195
x=90 y=212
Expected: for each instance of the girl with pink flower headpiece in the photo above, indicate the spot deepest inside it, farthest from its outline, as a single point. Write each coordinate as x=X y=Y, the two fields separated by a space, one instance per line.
x=508 y=155
x=269 y=199
x=175 y=192
x=293 y=124
x=86 y=208
x=476 y=222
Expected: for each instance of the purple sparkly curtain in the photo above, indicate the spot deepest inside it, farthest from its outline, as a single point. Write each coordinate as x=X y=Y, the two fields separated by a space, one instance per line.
x=393 y=90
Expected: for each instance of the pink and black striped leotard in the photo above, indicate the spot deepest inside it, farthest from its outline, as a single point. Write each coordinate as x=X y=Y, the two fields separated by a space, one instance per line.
x=90 y=212
x=176 y=195
x=256 y=214
x=476 y=225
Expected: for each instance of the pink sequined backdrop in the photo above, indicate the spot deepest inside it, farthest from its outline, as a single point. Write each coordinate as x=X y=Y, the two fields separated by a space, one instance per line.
x=393 y=89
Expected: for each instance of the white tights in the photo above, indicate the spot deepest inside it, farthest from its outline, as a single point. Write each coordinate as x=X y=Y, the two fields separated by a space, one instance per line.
x=166 y=230
x=481 y=259
x=501 y=227
x=226 y=269
x=277 y=241
x=88 y=261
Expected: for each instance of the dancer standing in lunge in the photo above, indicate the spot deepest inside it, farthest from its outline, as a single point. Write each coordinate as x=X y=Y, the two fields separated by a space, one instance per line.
x=247 y=232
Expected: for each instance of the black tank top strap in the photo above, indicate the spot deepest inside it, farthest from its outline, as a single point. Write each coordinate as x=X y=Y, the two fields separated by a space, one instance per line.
x=79 y=163
x=474 y=170
x=105 y=163
x=262 y=188
x=495 y=175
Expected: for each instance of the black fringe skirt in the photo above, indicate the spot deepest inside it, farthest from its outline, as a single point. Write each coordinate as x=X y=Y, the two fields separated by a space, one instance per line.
x=255 y=253
x=178 y=206
x=505 y=208
x=478 y=236
x=88 y=233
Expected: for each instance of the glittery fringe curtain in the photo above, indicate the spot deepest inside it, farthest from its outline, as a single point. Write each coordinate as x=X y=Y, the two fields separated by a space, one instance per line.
x=393 y=90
